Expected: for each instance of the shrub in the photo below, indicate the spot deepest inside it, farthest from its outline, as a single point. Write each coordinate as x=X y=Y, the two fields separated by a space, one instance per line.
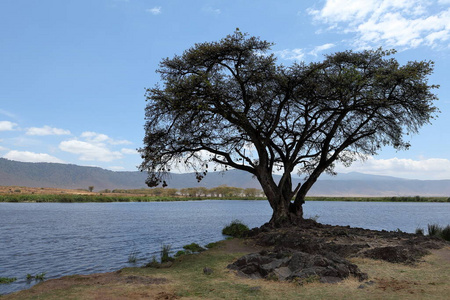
x=434 y=230
x=165 y=253
x=445 y=233
x=236 y=229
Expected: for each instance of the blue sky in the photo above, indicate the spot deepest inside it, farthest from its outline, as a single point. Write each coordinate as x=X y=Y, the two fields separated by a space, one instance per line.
x=73 y=73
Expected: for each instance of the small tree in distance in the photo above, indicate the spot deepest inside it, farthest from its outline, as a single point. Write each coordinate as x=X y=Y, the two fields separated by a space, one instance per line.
x=230 y=100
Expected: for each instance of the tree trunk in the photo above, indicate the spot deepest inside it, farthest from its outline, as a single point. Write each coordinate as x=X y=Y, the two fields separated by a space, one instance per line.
x=286 y=214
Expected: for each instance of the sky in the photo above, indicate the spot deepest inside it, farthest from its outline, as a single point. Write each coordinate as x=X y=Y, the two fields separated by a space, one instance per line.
x=73 y=73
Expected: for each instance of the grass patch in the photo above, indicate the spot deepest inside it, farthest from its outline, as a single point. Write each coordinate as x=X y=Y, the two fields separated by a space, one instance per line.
x=235 y=229
x=6 y=280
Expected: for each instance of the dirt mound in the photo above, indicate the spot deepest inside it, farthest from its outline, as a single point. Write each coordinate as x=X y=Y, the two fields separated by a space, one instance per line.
x=317 y=250
x=316 y=238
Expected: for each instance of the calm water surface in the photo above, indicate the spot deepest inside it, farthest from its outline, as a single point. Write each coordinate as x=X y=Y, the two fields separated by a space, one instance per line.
x=82 y=238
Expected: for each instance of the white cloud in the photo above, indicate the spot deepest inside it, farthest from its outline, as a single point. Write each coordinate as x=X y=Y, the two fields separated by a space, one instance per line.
x=294 y=54
x=94 y=137
x=321 y=48
x=47 y=130
x=390 y=23
x=128 y=151
x=211 y=10
x=155 y=10
x=89 y=151
x=425 y=168
x=26 y=156
x=7 y=126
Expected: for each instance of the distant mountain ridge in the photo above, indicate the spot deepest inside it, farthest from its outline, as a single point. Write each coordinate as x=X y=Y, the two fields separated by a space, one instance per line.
x=14 y=173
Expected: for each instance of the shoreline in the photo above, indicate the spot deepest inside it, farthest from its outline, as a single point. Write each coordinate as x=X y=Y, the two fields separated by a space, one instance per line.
x=185 y=278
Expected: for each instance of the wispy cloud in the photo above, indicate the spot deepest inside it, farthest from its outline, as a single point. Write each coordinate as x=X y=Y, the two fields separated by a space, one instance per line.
x=46 y=130
x=212 y=10
x=8 y=114
x=27 y=156
x=157 y=10
x=7 y=126
x=425 y=169
x=288 y=54
x=321 y=48
x=402 y=23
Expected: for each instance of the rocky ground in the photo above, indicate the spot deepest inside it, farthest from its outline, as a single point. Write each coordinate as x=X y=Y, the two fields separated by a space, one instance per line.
x=315 y=251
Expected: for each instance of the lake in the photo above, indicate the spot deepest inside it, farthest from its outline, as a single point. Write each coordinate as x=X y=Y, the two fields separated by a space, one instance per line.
x=83 y=238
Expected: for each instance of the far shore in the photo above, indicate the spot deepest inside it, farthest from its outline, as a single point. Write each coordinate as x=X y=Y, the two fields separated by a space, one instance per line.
x=14 y=194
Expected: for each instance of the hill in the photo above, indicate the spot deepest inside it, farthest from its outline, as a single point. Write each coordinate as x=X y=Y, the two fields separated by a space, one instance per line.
x=66 y=176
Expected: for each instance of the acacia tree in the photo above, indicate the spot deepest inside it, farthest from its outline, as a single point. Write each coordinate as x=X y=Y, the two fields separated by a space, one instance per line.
x=229 y=103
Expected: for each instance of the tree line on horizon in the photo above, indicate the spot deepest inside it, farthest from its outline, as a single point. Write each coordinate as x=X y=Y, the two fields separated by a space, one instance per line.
x=219 y=192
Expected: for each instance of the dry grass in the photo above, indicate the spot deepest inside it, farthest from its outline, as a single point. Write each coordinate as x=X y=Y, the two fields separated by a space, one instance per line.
x=429 y=279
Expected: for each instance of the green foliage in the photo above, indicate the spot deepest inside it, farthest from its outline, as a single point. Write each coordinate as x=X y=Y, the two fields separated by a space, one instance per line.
x=180 y=253
x=438 y=231
x=235 y=229
x=445 y=233
x=223 y=97
x=6 y=280
x=37 y=277
x=40 y=276
x=194 y=247
x=434 y=229
x=165 y=253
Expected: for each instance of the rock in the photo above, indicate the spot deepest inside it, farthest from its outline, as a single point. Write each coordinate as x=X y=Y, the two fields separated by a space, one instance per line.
x=396 y=254
x=295 y=266
x=207 y=271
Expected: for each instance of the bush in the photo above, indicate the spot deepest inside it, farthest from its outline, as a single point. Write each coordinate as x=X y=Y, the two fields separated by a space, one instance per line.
x=445 y=233
x=165 y=253
x=434 y=230
x=236 y=229
x=419 y=231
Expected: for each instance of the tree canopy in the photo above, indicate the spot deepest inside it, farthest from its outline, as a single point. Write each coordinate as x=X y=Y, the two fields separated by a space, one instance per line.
x=229 y=104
